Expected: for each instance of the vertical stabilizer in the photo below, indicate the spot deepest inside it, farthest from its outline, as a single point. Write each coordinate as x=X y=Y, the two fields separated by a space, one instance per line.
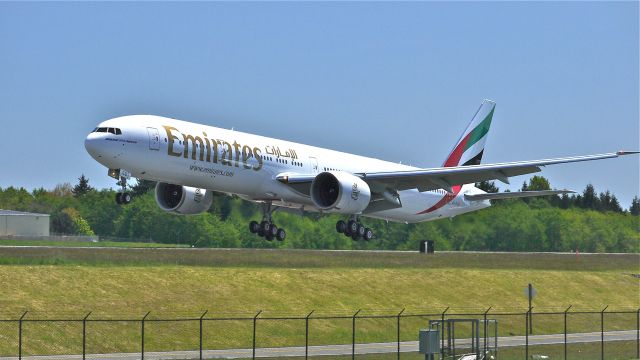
x=469 y=148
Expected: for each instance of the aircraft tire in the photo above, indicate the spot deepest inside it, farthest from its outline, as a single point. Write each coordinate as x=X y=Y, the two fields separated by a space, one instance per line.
x=281 y=235
x=269 y=237
x=361 y=231
x=273 y=231
x=341 y=226
x=355 y=236
x=119 y=198
x=266 y=226
x=260 y=232
x=368 y=234
x=253 y=227
x=352 y=226
x=126 y=198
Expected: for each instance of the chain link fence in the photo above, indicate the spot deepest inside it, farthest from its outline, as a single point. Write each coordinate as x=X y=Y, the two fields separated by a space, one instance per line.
x=517 y=334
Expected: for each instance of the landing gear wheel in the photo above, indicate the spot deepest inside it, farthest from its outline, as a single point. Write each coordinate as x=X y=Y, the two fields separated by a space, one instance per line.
x=368 y=234
x=254 y=227
x=123 y=198
x=281 y=235
x=273 y=231
x=341 y=226
x=355 y=236
x=352 y=226
x=266 y=226
x=260 y=232
x=361 y=230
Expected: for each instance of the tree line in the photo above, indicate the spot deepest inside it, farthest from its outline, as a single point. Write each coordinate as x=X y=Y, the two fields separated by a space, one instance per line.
x=586 y=222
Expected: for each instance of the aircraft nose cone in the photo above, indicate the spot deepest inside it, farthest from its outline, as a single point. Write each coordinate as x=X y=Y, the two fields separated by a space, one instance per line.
x=91 y=145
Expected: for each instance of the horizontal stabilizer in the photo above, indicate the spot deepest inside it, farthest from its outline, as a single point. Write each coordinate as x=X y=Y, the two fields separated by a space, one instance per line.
x=516 y=194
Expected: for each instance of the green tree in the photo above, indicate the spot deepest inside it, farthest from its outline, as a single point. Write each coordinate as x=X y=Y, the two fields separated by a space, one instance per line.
x=634 y=209
x=82 y=187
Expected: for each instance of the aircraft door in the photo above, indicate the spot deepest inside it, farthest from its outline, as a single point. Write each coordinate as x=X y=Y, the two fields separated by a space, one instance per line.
x=154 y=138
x=314 y=164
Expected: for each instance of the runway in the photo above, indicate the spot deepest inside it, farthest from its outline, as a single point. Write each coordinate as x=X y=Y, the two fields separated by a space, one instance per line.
x=337 y=350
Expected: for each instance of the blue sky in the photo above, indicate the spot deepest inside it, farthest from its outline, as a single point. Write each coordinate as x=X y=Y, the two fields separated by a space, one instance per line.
x=397 y=81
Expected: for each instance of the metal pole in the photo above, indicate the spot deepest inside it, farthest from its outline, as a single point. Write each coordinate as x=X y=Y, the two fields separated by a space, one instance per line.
x=142 y=333
x=398 y=328
x=602 y=332
x=353 y=335
x=565 y=331
x=526 y=332
x=201 y=317
x=84 y=336
x=20 y=334
x=255 y=319
x=484 y=334
x=530 y=312
x=442 y=337
x=306 y=335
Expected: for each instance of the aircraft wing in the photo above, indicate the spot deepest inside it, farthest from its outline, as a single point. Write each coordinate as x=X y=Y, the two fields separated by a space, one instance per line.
x=515 y=194
x=447 y=177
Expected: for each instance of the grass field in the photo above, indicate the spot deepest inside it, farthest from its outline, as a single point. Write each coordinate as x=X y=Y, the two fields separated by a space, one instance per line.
x=61 y=243
x=116 y=283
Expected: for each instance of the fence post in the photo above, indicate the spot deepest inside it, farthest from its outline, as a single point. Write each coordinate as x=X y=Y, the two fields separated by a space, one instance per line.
x=602 y=332
x=484 y=333
x=526 y=334
x=399 y=314
x=353 y=335
x=442 y=335
x=84 y=335
x=20 y=334
x=201 y=317
x=142 y=334
x=255 y=320
x=565 y=331
x=306 y=335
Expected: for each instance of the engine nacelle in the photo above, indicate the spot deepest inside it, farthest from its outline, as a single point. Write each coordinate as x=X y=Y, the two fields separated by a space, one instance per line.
x=183 y=199
x=340 y=192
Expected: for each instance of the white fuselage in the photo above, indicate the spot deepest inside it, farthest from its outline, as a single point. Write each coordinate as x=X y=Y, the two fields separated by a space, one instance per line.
x=233 y=162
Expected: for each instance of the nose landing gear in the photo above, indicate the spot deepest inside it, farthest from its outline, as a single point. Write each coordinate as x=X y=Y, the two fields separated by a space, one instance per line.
x=267 y=228
x=354 y=229
x=123 y=197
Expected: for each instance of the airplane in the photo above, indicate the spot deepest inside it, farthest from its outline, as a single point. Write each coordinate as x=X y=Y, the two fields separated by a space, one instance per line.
x=191 y=161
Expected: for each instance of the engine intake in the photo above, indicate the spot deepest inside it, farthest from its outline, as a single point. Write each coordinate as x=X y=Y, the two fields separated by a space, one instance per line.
x=183 y=200
x=340 y=192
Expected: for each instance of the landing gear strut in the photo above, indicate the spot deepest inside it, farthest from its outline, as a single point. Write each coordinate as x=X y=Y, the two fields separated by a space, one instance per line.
x=122 y=197
x=267 y=228
x=354 y=229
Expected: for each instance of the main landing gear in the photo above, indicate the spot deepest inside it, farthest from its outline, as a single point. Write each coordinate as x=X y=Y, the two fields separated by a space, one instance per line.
x=267 y=228
x=354 y=229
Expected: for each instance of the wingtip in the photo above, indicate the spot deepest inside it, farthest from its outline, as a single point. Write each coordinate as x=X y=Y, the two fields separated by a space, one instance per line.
x=622 y=152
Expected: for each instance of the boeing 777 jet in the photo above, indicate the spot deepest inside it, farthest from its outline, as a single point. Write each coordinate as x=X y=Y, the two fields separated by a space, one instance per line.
x=191 y=161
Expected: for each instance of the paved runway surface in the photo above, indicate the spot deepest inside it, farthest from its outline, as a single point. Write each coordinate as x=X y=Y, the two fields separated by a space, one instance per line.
x=333 y=350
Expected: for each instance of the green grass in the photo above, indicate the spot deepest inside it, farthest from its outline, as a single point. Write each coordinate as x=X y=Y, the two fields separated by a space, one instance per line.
x=115 y=244
x=281 y=258
x=178 y=283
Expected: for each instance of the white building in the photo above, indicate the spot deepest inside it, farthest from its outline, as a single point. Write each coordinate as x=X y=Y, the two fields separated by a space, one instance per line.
x=18 y=223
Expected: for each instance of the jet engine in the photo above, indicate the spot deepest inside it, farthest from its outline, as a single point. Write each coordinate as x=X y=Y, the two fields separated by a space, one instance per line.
x=340 y=192
x=183 y=200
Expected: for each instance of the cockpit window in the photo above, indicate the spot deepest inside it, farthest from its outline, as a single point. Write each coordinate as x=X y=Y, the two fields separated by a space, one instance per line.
x=115 y=131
